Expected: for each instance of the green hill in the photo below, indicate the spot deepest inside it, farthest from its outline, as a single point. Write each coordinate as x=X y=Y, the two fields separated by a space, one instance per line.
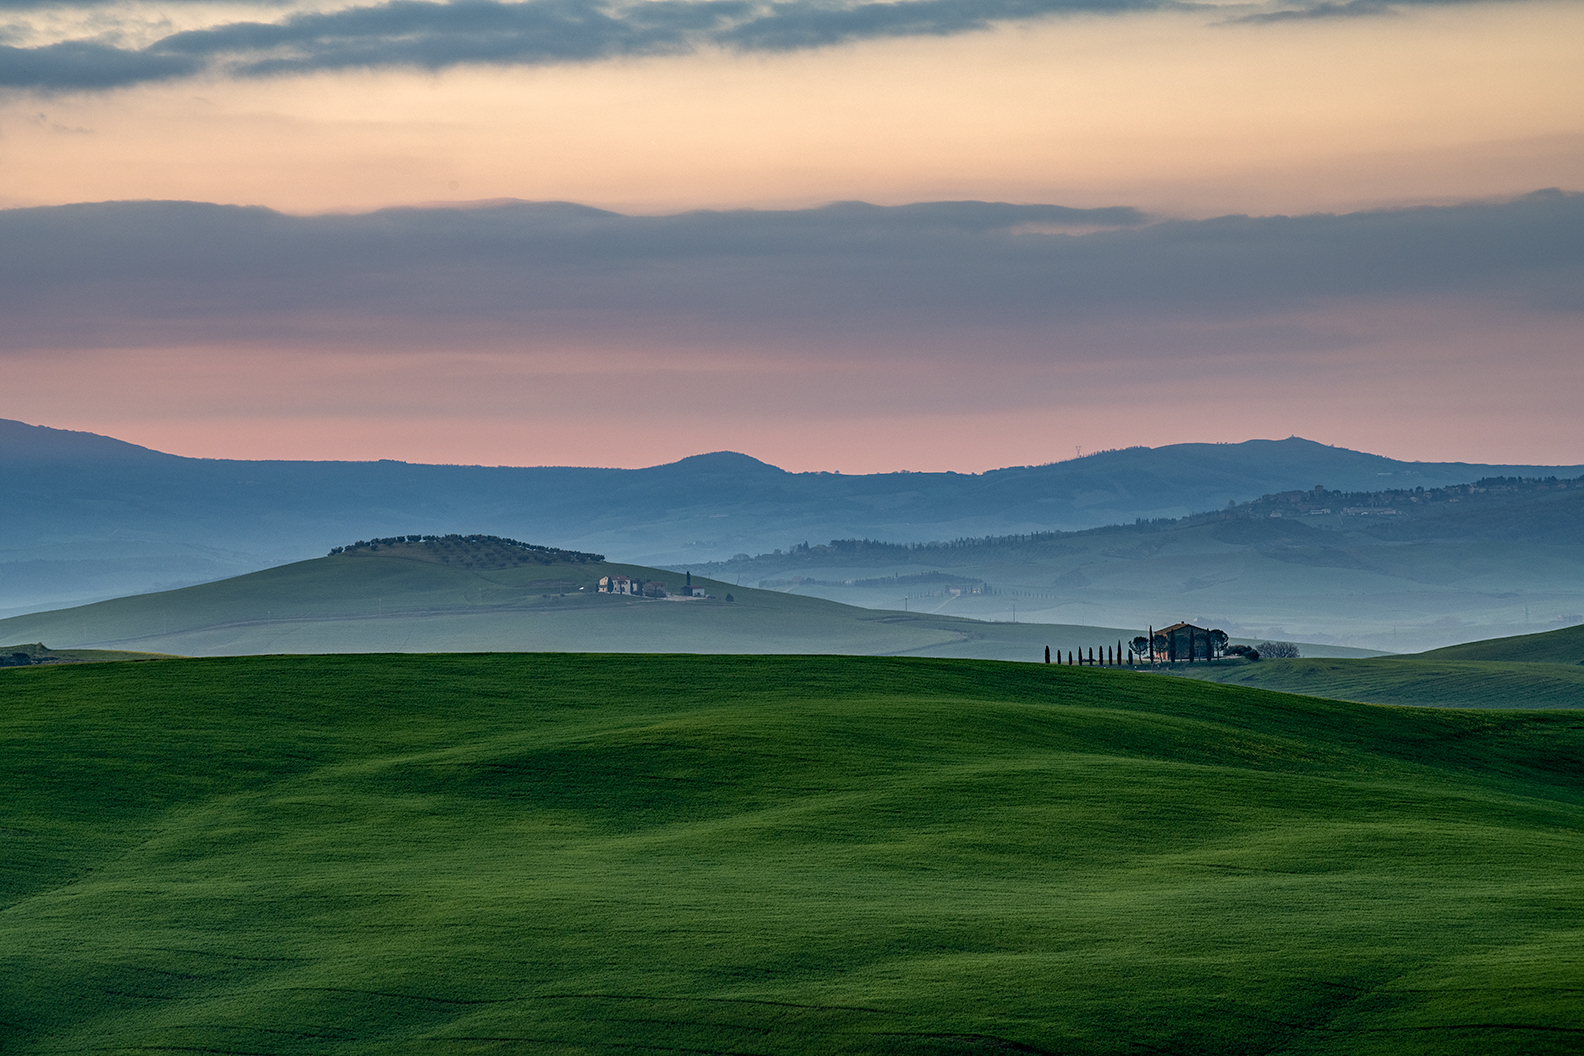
x=480 y=594
x=28 y=653
x=773 y=855
x=1426 y=682
x=1564 y=646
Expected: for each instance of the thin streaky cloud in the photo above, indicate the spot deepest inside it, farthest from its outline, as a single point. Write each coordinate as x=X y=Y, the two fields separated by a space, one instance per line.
x=1319 y=12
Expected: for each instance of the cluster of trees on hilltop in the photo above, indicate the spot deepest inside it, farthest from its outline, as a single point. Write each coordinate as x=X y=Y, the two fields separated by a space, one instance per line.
x=544 y=554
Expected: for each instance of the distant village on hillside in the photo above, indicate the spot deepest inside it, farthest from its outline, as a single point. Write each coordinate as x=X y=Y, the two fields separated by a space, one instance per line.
x=651 y=588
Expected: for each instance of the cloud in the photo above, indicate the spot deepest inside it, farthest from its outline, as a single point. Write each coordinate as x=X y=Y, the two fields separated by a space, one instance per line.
x=1318 y=12
x=150 y=274
x=432 y=36
x=84 y=64
x=1325 y=10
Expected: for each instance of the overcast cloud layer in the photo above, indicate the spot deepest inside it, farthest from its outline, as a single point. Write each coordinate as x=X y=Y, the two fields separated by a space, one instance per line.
x=141 y=273
x=418 y=34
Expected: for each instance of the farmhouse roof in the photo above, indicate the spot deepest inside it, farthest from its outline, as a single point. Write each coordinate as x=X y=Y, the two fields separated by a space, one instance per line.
x=1181 y=627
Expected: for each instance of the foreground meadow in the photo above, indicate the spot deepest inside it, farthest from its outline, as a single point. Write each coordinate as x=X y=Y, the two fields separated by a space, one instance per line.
x=773 y=855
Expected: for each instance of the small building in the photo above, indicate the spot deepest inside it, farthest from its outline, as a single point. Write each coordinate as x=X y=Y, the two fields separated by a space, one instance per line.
x=1185 y=642
x=615 y=585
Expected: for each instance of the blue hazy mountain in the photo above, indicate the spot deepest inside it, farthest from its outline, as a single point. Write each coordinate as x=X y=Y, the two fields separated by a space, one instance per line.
x=88 y=516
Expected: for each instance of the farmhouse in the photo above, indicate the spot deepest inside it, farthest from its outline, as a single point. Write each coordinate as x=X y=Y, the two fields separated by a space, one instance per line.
x=615 y=585
x=1184 y=641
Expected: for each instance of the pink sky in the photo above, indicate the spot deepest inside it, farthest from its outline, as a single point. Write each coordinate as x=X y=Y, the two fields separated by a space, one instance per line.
x=1175 y=113
x=1428 y=383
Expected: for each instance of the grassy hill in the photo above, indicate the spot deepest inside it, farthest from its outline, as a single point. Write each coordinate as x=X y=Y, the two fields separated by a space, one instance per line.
x=24 y=654
x=1417 y=680
x=471 y=595
x=1527 y=671
x=1562 y=646
x=773 y=855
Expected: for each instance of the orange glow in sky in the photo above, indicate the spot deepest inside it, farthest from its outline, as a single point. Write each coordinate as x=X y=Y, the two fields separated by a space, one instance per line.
x=1168 y=112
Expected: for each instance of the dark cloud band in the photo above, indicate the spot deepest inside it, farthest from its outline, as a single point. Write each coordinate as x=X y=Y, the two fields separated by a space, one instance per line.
x=153 y=273
x=432 y=36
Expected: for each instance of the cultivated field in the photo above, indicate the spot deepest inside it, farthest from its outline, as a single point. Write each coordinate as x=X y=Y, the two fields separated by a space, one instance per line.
x=773 y=855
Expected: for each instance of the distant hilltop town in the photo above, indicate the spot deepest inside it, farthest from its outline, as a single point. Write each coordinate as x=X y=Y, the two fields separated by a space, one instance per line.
x=650 y=588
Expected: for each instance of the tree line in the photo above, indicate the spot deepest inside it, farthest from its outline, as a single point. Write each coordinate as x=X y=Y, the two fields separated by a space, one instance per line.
x=544 y=554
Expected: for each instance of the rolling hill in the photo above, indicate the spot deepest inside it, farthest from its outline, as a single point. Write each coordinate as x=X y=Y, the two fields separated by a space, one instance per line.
x=26 y=654
x=1527 y=671
x=773 y=855
x=89 y=517
x=1413 y=680
x=1396 y=570
x=1562 y=646
x=483 y=593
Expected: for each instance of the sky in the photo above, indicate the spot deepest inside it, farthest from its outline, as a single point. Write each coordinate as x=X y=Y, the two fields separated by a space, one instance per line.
x=833 y=234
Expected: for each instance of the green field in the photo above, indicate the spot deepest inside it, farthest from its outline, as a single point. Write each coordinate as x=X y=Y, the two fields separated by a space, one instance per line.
x=398 y=599
x=1565 y=646
x=1410 y=680
x=773 y=855
x=1529 y=671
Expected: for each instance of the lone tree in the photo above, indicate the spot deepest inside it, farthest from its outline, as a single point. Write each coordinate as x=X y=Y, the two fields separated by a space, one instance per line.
x=1140 y=646
x=1278 y=650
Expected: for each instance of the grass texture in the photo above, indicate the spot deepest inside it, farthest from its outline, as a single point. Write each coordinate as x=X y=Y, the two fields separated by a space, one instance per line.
x=521 y=853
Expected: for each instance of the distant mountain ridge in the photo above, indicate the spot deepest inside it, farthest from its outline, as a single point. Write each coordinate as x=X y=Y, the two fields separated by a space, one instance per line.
x=88 y=516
